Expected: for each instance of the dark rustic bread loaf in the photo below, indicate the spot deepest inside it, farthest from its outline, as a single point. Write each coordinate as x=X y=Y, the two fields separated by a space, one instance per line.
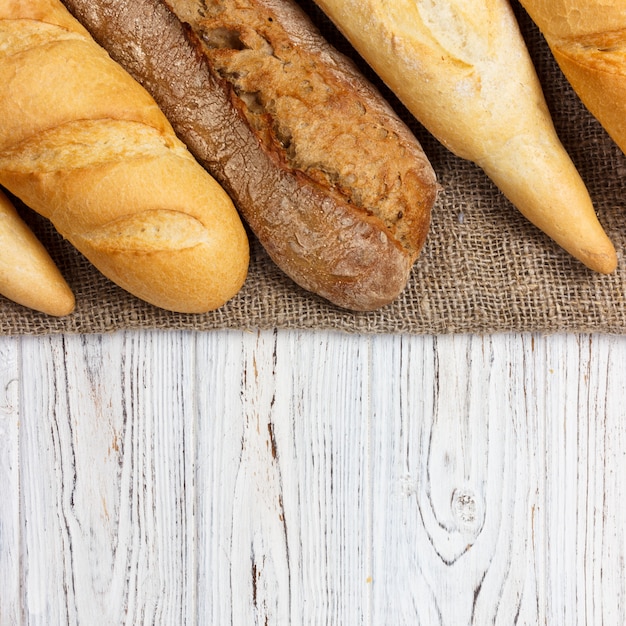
x=333 y=184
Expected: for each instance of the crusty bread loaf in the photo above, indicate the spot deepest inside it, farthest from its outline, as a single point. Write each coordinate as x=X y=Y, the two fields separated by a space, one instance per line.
x=335 y=186
x=588 y=40
x=463 y=70
x=28 y=275
x=83 y=144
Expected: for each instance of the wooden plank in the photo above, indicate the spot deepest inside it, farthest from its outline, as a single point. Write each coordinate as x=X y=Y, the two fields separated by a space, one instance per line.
x=583 y=463
x=218 y=436
x=10 y=613
x=287 y=477
x=445 y=483
x=322 y=432
x=104 y=480
x=46 y=484
x=497 y=490
x=282 y=477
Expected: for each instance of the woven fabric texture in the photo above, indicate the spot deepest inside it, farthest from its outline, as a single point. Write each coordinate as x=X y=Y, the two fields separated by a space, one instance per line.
x=484 y=268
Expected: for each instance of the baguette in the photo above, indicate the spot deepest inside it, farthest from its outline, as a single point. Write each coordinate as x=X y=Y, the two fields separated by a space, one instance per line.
x=84 y=145
x=28 y=275
x=462 y=68
x=336 y=188
x=588 y=40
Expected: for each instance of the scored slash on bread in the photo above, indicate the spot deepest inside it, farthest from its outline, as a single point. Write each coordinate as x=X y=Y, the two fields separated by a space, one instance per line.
x=86 y=146
x=462 y=68
x=333 y=184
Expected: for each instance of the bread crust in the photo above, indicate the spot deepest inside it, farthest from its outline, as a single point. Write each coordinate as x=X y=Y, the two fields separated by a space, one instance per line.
x=86 y=146
x=564 y=19
x=462 y=68
x=28 y=275
x=260 y=99
x=588 y=40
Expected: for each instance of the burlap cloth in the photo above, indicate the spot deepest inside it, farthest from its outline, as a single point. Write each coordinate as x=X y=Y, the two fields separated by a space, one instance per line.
x=484 y=268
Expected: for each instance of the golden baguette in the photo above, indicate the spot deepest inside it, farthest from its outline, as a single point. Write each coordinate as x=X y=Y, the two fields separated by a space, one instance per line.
x=588 y=40
x=462 y=68
x=28 y=275
x=84 y=145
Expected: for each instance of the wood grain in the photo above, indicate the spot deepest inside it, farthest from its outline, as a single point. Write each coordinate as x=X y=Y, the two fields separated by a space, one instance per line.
x=318 y=478
x=283 y=492
x=9 y=485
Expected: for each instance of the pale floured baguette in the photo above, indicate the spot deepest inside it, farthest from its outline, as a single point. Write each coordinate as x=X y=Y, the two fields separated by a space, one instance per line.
x=588 y=40
x=84 y=145
x=462 y=68
x=28 y=275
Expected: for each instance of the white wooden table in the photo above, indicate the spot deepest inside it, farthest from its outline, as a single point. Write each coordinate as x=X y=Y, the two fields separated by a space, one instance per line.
x=312 y=478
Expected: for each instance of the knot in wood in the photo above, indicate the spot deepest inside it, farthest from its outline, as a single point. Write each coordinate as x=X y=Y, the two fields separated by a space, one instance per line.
x=466 y=509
